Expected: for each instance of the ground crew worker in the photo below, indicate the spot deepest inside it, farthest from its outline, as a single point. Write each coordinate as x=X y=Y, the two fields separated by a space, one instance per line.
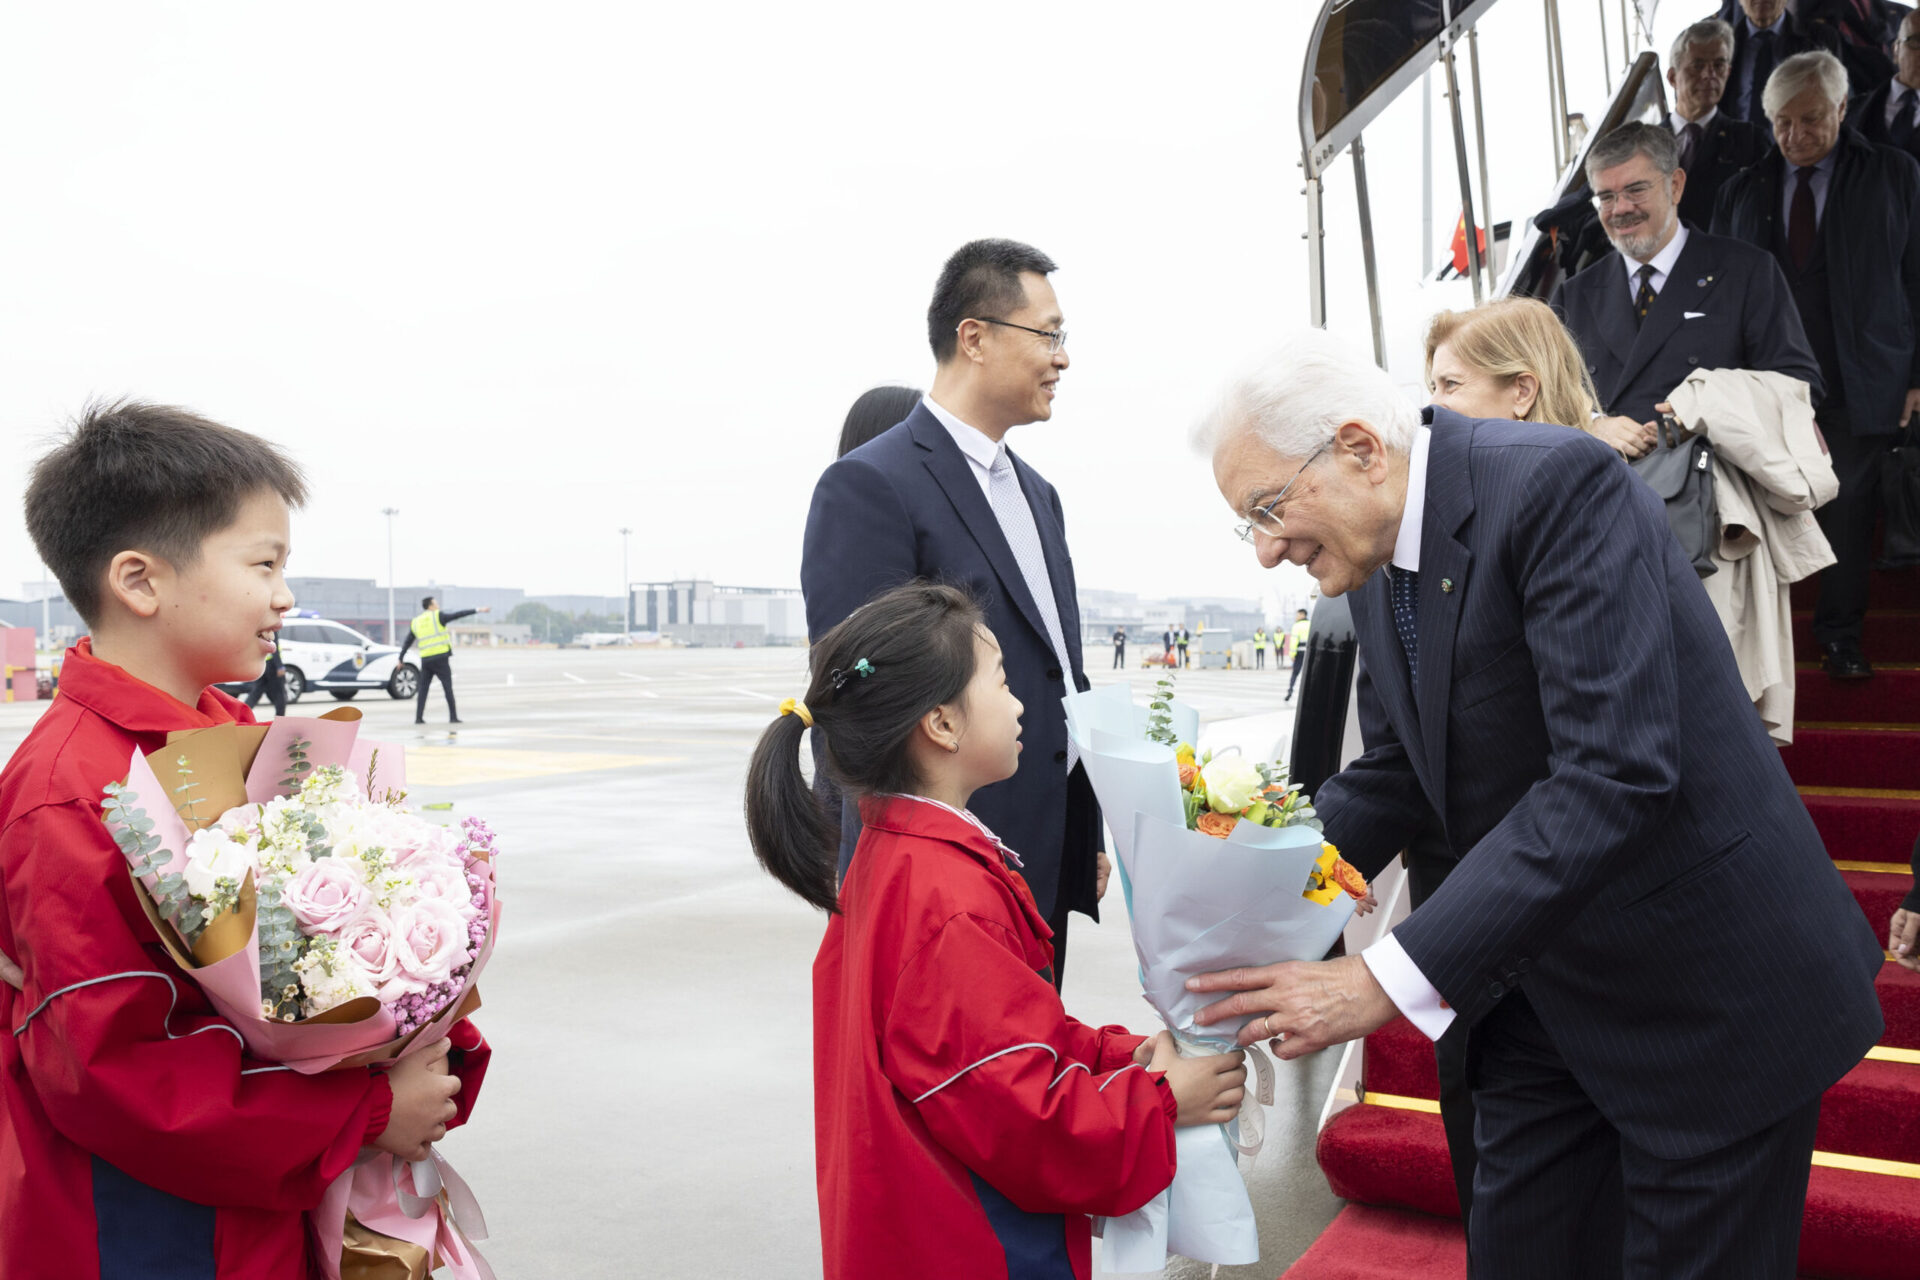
x=1298 y=641
x=436 y=649
x=1180 y=642
x=1260 y=649
x=1119 y=648
x=1166 y=659
x=272 y=681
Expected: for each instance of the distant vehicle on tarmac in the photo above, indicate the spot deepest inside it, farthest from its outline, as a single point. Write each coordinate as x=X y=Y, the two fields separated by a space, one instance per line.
x=322 y=654
x=600 y=639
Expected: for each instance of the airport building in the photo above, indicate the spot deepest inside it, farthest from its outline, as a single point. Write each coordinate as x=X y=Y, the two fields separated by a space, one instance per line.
x=694 y=611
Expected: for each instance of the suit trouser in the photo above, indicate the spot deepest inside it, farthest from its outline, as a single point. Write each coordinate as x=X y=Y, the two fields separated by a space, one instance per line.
x=1848 y=523
x=1560 y=1193
x=440 y=667
x=1259 y=659
x=1119 y=656
x=1299 y=660
x=273 y=683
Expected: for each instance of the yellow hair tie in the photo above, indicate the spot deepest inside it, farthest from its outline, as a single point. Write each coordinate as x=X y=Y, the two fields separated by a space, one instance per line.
x=795 y=707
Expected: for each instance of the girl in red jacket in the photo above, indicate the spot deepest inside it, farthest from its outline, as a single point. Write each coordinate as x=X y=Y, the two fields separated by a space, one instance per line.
x=965 y=1126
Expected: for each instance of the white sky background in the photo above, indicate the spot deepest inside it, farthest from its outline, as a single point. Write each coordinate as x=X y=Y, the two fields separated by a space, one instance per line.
x=530 y=273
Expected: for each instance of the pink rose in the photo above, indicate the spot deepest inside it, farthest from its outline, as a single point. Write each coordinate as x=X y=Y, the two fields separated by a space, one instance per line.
x=430 y=939
x=369 y=941
x=422 y=843
x=328 y=896
x=446 y=883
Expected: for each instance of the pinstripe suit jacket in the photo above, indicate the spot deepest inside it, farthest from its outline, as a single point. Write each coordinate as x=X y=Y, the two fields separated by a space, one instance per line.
x=1635 y=856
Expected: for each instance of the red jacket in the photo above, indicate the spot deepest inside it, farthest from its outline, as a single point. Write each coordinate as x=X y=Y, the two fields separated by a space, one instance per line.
x=136 y=1136
x=965 y=1126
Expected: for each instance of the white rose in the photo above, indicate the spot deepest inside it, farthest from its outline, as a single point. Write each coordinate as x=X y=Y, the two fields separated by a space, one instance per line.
x=212 y=856
x=1232 y=783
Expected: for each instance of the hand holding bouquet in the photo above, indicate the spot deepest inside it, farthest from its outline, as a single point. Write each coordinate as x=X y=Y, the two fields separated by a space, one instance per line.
x=1223 y=865
x=328 y=925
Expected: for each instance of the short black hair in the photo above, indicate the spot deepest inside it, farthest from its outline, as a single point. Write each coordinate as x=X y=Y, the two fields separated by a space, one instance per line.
x=877 y=410
x=154 y=477
x=426 y=602
x=981 y=281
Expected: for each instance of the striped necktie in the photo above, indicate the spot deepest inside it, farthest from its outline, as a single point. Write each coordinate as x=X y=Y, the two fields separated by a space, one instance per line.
x=1023 y=536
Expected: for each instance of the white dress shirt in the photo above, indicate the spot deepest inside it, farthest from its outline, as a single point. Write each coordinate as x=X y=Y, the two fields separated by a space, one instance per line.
x=1386 y=959
x=1662 y=264
x=1677 y=122
x=980 y=449
x=1900 y=100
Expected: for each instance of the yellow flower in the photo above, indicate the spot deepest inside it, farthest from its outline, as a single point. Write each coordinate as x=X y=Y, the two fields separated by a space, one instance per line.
x=1183 y=754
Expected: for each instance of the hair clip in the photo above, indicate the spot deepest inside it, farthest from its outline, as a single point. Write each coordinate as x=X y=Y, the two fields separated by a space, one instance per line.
x=862 y=668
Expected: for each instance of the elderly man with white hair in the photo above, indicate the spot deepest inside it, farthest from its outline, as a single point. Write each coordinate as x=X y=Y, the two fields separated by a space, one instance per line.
x=1641 y=898
x=1838 y=214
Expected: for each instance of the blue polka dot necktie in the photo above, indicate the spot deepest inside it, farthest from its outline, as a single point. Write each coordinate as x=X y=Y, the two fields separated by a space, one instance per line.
x=1406 y=593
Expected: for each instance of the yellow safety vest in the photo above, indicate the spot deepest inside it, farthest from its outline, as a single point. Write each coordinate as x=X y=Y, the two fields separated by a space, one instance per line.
x=1300 y=630
x=1259 y=639
x=431 y=636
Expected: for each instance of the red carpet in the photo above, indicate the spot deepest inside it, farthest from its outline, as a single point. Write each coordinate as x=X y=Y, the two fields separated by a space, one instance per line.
x=1856 y=760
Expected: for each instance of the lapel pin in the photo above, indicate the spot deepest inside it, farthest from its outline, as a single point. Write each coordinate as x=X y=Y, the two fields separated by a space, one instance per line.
x=1446 y=584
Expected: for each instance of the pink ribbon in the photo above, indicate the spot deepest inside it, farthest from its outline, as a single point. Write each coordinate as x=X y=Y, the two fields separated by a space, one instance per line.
x=426 y=1204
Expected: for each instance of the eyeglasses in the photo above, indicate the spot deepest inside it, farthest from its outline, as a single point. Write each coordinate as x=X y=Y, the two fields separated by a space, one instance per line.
x=1262 y=519
x=1634 y=193
x=1056 y=338
x=1909 y=42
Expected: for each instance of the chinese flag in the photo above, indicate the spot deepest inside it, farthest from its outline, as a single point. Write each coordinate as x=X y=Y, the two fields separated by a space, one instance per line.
x=1460 y=244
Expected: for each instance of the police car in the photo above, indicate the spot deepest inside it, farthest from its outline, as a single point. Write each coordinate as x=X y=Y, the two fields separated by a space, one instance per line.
x=322 y=654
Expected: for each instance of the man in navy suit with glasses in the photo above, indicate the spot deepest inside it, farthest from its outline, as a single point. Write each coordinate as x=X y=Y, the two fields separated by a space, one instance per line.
x=1641 y=897
x=941 y=496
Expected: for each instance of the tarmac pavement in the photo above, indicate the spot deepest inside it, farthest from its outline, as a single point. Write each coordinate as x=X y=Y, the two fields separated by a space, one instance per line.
x=649 y=1107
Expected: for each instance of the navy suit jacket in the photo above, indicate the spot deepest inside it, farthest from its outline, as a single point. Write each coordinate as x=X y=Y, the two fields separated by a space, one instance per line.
x=1727 y=146
x=1635 y=857
x=1869 y=116
x=906 y=505
x=1870 y=232
x=1746 y=320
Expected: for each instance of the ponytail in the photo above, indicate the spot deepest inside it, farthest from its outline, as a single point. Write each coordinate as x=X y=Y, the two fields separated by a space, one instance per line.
x=788 y=827
x=890 y=662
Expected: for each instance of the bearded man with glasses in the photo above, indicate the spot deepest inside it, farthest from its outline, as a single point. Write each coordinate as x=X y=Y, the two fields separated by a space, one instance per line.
x=941 y=496
x=1669 y=300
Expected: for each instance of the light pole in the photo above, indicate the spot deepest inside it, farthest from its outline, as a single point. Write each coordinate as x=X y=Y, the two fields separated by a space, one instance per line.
x=626 y=583
x=390 y=513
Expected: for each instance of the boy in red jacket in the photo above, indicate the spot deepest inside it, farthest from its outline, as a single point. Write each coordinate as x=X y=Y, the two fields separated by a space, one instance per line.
x=137 y=1138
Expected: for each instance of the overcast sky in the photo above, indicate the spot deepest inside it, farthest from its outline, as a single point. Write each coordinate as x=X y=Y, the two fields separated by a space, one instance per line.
x=531 y=273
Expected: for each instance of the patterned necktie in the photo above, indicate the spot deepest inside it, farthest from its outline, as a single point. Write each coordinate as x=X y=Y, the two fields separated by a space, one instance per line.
x=1406 y=594
x=1801 y=219
x=1690 y=144
x=1643 y=297
x=1900 y=132
x=1023 y=536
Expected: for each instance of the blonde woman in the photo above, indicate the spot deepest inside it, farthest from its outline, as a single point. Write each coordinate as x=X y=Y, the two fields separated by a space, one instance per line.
x=1512 y=358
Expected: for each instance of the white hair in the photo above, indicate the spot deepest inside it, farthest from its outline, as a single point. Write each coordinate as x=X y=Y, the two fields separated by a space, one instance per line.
x=1713 y=31
x=1803 y=71
x=1296 y=397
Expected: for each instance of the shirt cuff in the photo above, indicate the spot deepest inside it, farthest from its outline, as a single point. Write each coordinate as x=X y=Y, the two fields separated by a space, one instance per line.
x=1407 y=987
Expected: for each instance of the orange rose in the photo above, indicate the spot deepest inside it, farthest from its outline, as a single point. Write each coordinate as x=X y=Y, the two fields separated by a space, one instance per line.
x=1188 y=773
x=1217 y=825
x=1348 y=877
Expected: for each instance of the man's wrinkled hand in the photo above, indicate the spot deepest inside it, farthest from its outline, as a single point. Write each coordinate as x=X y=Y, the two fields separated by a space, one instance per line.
x=1629 y=439
x=1903 y=939
x=1912 y=406
x=1102 y=869
x=1303 y=1006
x=11 y=974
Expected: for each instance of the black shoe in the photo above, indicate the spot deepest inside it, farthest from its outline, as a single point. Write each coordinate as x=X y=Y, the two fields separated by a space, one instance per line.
x=419 y=721
x=455 y=720
x=1843 y=660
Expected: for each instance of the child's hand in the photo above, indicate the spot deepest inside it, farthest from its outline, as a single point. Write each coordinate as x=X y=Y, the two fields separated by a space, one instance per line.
x=1149 y=1048
x=423 y=1092
x=1208 y=1089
